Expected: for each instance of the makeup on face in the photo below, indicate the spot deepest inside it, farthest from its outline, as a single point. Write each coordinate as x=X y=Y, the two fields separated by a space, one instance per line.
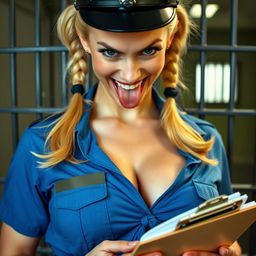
x=128 y=63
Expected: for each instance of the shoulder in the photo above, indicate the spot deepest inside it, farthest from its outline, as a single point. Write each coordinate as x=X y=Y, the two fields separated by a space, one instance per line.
x=204 y=128
x=34 y=136
x=207 y=130
x=45 y=122
x=43 y=125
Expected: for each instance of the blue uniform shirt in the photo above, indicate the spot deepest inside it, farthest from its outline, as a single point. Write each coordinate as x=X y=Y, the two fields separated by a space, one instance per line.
x=75 y=214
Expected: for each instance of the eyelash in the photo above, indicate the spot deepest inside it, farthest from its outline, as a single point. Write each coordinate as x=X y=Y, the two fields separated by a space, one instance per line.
x=155 y=49
x=104 y=52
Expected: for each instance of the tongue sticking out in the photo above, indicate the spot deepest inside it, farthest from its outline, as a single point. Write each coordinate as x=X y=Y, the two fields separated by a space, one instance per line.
x=129 y=98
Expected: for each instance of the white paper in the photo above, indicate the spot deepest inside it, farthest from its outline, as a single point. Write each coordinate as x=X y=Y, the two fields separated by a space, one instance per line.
x=170 y=225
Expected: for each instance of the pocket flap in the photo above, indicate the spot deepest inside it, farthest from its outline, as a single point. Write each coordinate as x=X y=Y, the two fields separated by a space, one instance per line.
x=78 y=197
x=205 y=190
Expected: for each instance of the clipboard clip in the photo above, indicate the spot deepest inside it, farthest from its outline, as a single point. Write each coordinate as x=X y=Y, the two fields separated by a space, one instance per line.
x=209 y=209
x=213 y=202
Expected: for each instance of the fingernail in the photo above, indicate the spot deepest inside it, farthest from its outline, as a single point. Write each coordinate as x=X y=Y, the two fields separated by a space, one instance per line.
x=132 y=243
x=224 y=251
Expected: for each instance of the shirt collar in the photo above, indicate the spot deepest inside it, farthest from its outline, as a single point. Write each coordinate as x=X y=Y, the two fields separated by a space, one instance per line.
x=84 y=124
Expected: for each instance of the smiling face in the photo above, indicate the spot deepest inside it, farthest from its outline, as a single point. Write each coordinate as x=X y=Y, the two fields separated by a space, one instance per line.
x=127 y=64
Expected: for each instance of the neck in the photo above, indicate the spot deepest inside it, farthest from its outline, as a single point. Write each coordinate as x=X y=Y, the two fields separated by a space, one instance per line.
x=106 y=107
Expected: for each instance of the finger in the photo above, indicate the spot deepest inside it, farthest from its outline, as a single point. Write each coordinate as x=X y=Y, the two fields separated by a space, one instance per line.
x=226 y=251
x=199 y=253
x=117 y=246
x=156 y=253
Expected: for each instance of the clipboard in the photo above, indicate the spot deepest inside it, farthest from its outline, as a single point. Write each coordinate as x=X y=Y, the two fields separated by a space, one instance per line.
x=218 y=221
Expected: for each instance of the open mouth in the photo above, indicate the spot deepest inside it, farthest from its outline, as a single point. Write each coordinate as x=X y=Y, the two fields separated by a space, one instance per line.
x=129 y=94
x=127 y=86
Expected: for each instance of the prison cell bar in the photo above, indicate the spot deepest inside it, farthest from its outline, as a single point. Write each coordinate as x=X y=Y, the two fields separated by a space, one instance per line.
x=231 y=112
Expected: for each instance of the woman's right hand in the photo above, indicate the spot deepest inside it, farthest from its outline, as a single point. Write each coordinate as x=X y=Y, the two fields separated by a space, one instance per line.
x=110 y=248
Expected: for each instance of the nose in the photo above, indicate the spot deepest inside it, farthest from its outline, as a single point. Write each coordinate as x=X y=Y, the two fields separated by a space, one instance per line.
x=130 y=71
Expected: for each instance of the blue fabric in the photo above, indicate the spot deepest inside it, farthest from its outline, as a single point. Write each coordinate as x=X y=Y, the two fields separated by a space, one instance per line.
x=76 y=220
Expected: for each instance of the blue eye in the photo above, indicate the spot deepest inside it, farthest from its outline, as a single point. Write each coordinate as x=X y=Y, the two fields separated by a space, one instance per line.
x=109 y=53
x=151 y=51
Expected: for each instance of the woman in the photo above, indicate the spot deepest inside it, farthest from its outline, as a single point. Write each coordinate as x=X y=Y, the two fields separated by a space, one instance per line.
x=93 y=179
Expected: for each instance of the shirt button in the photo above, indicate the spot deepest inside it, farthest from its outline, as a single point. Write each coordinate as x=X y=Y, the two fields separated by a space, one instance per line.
x=149 y=221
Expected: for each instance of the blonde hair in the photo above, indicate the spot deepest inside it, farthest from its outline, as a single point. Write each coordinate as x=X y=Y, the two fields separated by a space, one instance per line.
x=61 y=139
x=180 y=133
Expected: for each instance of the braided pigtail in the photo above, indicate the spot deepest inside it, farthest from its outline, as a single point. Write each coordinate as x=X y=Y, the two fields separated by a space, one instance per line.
x=61 y=138
x=180 y=133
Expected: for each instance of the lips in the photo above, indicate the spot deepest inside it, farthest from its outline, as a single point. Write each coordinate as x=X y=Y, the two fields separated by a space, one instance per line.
x=127 y=86
x=129 y=94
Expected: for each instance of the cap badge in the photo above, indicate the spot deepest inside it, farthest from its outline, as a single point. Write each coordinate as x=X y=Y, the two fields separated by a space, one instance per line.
x=127 y=3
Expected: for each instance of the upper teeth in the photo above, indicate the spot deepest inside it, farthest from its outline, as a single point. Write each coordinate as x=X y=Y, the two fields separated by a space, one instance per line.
x=129 y=87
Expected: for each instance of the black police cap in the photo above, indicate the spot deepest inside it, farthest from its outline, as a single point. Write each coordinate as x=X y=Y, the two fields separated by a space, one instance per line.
x=127 y=15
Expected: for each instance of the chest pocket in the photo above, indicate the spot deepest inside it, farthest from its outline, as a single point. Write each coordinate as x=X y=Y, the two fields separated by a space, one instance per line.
x=80 y=210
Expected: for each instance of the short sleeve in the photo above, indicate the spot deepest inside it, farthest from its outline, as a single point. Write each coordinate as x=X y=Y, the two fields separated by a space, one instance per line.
x=220 y=173
x=218 y=152
x=224 y=185
x=23 y=205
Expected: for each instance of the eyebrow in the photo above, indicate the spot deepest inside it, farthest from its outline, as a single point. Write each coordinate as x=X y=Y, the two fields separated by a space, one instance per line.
x=113 y=49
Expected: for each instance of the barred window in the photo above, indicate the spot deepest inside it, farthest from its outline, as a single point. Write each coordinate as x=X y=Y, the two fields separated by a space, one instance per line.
x=217 y=83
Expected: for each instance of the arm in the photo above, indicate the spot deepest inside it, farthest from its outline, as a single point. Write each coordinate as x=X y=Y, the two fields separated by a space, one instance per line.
x=13 y=243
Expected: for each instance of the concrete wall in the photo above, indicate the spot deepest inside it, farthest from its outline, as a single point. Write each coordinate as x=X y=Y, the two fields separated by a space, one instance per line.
x=25 y=72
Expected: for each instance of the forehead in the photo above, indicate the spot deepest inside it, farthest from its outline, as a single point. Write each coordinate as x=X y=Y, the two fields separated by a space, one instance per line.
x=122 y=39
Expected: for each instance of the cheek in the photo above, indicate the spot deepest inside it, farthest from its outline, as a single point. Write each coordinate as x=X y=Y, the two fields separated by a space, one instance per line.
x=101 y=67
x=156 y=66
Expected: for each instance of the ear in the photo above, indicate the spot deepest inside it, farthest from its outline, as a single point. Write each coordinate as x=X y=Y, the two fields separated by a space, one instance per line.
x=84 y=42
x=169 y=41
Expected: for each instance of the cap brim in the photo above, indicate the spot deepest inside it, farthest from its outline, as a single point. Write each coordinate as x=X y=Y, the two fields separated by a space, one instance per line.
x=128 y=21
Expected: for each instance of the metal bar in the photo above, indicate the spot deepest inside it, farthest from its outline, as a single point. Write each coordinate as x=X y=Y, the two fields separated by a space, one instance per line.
x=13 y=82
x=234 y=112
x=203 y=41
x=64 y=95
x=31 y=110
x=231 y=105
x=222 y=48
x=244 y=187
x=207 y=48
x=33 y=49
x=38 y=86
x=234 y=16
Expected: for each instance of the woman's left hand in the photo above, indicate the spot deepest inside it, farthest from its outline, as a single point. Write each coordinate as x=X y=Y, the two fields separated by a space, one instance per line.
x=233 y=250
